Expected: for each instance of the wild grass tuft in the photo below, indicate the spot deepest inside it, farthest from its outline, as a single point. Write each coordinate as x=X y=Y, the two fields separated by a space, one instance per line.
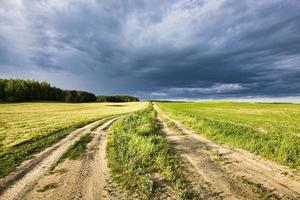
x=262 y=191
x=48 y=187
x=76 y=151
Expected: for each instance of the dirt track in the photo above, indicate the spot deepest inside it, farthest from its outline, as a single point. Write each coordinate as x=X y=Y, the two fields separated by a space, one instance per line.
x=72 y=180
x=234 y=174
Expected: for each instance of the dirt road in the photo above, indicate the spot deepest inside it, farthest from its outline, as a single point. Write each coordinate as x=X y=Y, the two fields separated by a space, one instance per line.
x=234 y=174
x=79 y=179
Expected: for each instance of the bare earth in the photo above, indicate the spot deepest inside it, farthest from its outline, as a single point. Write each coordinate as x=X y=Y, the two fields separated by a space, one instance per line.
x=233 y=174
x=74 y=179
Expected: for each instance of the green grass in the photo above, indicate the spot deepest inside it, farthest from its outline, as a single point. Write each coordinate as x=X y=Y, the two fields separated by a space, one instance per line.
x=28 y=128
x=77 y=150
x=270 y=130
x=262 y=191
x=74 y=152
x=48 y=187
x=138 y=153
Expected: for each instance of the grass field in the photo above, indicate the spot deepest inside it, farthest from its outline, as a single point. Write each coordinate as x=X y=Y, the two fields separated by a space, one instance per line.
x=27 y=128
x=270 y=130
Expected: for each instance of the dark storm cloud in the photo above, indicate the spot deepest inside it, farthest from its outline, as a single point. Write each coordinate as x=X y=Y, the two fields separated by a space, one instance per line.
x=155 y=49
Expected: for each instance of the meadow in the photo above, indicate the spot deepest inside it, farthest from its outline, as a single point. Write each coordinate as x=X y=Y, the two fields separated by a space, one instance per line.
x=269 y=130
x=28 y=128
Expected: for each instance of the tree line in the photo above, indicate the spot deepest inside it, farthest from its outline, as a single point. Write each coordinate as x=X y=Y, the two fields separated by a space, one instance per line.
x=117 y=98
x=18 y=90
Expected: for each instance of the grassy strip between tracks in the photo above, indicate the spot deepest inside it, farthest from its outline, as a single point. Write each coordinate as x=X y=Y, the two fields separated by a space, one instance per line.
x=77 y=150
x=138 y=154
x=13 y=157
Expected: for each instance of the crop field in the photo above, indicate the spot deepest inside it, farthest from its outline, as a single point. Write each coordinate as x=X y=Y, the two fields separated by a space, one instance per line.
x=269 y=130
x=27 y=128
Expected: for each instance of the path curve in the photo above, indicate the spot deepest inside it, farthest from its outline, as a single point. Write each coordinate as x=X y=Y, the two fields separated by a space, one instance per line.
x=15 y=185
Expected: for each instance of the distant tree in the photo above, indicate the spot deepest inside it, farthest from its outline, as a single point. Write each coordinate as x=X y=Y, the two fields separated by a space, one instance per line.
x=101 y=98
x=74 y=96
x=117 y=99
x=2 y=90
x=86 y=96
x=45 y=90
x=11 y=90
x=71 y=96
x=58 y=94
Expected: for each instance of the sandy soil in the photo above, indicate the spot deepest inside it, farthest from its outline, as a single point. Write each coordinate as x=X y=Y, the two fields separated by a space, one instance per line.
x=234 y=174
x=72 y=180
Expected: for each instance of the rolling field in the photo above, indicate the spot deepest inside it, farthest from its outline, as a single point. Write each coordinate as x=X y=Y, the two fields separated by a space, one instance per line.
x=270 y=130
x=154 y=152
x=27 y=128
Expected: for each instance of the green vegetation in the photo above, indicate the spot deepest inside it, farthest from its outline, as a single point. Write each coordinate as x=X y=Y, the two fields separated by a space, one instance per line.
x=270 y=130
x=28 y=90
x=16 y=90
x=48 y=187
x=28 y=128
x=139 y=156
x=262 y=191
x=74 y=96
x=76 y=151
x=117 y=99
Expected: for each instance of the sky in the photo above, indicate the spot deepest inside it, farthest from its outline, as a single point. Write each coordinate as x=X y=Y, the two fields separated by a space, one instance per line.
x=155 y=49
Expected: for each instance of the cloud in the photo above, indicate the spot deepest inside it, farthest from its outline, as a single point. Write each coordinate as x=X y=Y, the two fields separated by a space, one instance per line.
x=215 y=89
x=160 y=48
x=159 y=94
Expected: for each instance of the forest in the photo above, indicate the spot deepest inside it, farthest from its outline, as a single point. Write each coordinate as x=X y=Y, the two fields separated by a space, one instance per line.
x=117 y=98
x=18 y=90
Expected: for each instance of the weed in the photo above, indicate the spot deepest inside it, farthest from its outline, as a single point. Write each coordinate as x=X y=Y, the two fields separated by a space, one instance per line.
x=48 y=187
x=262 y=191
x=76 y=151
x=59 y=171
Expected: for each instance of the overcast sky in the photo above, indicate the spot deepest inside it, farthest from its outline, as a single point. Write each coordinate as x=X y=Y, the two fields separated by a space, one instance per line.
x=168 y=49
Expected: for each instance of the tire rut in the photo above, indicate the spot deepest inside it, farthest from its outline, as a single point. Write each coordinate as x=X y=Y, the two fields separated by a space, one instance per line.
x=229 y=166
x=18 y=183
x=224 y=186
x=91 y=182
